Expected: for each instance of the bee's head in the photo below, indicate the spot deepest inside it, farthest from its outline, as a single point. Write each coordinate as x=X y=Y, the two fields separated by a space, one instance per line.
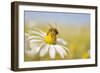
x=53 y=31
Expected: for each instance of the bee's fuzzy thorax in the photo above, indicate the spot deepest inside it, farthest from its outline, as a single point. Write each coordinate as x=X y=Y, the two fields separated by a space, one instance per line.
x=51 y=36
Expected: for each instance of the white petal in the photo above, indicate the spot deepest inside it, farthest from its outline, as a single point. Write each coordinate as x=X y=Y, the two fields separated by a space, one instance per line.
x=52 y=52
x=36 y=44
x=39 y=47
x=40 y=31
x=61 y=41
x=35 y=41
x=44 y=50
x=60 y=50
x=35 y=37
x=65 y=48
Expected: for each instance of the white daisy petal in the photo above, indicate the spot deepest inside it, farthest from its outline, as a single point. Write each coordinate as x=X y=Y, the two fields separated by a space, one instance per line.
x=35 y=37
x=65 y=48
x=35 y=41
x=60 y=50
x=39 y=47
x=52 y=52
x=44 y=50
x=36 y=44
x=61 y=41
x=40 y=31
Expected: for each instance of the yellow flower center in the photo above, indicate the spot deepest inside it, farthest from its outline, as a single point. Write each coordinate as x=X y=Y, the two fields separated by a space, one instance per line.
x=50 y=38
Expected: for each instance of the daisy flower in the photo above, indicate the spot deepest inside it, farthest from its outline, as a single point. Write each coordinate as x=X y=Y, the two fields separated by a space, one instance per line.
x=42 y=43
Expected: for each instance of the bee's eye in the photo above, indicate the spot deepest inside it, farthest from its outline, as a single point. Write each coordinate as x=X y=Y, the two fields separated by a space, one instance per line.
x=56 y=31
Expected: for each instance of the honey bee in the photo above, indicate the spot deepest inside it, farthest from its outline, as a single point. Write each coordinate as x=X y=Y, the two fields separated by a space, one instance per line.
x=51 y=35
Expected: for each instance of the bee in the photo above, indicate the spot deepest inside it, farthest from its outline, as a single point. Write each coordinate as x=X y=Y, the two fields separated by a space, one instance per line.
x=51 y=35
